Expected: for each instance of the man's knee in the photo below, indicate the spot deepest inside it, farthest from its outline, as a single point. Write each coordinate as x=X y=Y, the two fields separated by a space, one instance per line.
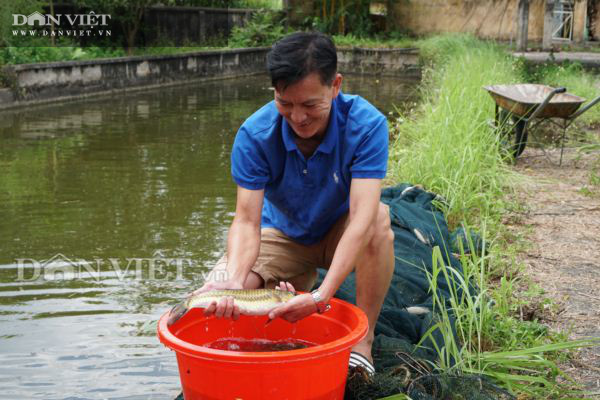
x=381 y=231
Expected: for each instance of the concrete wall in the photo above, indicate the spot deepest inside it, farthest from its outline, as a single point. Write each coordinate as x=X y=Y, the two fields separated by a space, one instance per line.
x=391 y=62
x=191 y=24
x=35 y=83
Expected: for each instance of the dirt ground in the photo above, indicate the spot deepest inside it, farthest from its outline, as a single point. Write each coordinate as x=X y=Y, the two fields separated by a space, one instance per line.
x=562 y=222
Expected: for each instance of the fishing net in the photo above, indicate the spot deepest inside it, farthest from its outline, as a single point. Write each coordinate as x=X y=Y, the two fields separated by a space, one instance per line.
x=402 y=366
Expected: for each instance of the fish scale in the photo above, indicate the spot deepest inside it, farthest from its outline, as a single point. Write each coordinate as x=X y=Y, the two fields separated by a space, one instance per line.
x=249 y=301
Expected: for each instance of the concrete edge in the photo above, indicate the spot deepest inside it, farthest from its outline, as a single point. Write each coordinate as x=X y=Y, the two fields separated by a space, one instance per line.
x=119 y=60
x=363 y=61
x=111 y=92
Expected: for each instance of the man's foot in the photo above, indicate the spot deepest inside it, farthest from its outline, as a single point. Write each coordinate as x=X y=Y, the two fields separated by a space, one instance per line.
x=357 y=360
x=364 y=348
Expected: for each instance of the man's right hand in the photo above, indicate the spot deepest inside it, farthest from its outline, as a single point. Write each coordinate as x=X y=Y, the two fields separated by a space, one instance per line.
x=226 y=307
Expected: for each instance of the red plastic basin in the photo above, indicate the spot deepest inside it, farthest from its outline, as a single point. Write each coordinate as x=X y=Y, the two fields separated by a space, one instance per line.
x=317 y=372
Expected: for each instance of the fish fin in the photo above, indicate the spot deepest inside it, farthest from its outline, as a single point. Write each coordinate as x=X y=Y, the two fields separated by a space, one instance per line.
x=177 y=312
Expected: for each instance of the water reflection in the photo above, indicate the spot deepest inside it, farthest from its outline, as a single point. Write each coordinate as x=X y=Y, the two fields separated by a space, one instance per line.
x=93 y=191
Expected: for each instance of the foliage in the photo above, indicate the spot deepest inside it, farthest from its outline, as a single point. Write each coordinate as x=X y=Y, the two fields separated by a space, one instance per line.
x=268 y=4
x=36 y=50
x=448 y=147
x=7 y=9
x=341 y=16
x=349 y=40
x=522 y=367
x=449 y=134
x=264 y=28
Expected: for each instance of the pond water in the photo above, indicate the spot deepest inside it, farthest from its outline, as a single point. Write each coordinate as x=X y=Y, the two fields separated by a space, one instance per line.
x=110 y=212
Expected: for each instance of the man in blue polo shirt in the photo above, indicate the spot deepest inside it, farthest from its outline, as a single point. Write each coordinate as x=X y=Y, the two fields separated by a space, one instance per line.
x=308 y=167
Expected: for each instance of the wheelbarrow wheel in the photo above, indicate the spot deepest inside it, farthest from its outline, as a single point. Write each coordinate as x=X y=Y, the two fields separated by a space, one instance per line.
x=514 y=133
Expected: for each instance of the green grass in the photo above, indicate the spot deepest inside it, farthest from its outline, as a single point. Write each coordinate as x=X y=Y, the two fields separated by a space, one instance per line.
x=448 y=147
x=350 y=40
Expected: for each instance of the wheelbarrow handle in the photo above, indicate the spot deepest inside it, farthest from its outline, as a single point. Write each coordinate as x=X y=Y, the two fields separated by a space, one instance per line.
x=584 y=109
x=539 y=108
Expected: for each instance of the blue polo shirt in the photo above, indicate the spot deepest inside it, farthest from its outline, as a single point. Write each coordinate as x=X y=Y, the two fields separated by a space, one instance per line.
x=304 y=198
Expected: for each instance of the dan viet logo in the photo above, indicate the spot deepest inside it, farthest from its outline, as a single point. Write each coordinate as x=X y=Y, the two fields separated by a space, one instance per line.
x=90 y=24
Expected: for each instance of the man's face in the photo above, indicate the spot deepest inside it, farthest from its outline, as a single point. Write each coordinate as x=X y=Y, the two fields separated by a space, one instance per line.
x=306 y=104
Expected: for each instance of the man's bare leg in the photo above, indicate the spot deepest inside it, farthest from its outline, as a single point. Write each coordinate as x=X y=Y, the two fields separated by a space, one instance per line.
x=219 y=274
x=374 y=270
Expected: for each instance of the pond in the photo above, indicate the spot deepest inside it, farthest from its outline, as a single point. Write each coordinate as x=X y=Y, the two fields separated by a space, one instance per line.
x=111 y=210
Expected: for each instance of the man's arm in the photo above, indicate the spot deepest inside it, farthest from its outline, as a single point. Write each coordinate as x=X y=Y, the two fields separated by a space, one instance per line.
x=243 y=244
x=364 y=204
x=243 y=241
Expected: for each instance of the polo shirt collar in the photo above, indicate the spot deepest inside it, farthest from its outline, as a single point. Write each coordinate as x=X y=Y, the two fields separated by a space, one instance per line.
x=328 y=142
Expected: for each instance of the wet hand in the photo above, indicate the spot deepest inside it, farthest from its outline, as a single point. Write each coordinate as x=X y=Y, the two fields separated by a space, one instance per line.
x=286 y=286
x=297 y=308
x=225 y=307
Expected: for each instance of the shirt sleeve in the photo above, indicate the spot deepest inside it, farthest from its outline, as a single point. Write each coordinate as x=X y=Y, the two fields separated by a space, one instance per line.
x=371 y=156
x=249 y=167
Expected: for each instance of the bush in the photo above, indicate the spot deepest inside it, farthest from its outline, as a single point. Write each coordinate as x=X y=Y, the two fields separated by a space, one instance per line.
x=264 y=28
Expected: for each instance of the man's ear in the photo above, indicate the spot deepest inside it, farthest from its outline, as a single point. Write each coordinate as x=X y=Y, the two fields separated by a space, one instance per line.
x=337 y=84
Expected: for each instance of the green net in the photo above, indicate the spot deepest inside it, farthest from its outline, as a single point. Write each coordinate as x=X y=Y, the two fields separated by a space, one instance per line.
x=401 y=365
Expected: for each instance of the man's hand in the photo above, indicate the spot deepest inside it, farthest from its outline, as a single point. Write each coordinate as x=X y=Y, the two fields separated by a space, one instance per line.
x=299 y=307
x=226 y=307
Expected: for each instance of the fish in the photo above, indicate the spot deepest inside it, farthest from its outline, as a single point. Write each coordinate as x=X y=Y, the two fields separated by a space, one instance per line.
x=249 y=301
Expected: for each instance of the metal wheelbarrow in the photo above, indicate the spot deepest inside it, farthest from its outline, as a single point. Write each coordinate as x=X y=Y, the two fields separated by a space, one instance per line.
x=518 y=106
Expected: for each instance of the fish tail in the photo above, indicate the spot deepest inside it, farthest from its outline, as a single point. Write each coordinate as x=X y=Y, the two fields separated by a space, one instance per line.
x=177 y=312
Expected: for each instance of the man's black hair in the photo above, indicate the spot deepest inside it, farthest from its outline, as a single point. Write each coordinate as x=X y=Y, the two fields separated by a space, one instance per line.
x=297 y=55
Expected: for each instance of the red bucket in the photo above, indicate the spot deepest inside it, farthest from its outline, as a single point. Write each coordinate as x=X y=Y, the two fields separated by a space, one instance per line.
x=317 y=373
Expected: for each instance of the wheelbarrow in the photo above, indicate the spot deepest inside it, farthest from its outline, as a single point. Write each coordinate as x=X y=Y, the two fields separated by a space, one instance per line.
x=521 y=105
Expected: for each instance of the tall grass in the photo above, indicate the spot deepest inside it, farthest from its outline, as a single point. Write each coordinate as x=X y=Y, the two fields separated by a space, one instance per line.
x=448 y=147
x=523 y=368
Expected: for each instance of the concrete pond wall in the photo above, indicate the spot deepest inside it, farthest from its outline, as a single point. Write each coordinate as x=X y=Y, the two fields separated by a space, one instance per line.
x=57 y=81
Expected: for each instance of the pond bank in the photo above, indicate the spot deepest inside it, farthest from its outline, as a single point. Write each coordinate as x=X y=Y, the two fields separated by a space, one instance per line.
x=587 y=59
x=59 y=81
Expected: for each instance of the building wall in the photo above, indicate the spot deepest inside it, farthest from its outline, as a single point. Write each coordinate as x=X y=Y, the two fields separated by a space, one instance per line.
x=485 y=18
x=494 y=19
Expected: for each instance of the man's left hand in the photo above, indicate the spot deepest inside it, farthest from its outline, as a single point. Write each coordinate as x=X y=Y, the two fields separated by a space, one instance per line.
x=299 y=307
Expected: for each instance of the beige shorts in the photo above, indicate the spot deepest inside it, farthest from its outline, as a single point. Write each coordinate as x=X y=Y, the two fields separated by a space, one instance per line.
x=282 y=259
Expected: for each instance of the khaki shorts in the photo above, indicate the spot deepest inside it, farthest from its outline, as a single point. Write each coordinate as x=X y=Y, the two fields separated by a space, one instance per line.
x=282 y=259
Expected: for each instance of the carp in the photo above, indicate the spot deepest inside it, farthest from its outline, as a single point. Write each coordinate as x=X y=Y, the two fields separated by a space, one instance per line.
x=249 y=301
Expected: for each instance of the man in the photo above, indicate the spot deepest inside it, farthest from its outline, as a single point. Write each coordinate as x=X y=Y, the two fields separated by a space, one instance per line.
x=309 y=166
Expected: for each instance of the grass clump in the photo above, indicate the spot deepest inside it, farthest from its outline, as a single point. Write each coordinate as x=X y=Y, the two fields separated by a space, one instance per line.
x=449 y=147
x=350 y=40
